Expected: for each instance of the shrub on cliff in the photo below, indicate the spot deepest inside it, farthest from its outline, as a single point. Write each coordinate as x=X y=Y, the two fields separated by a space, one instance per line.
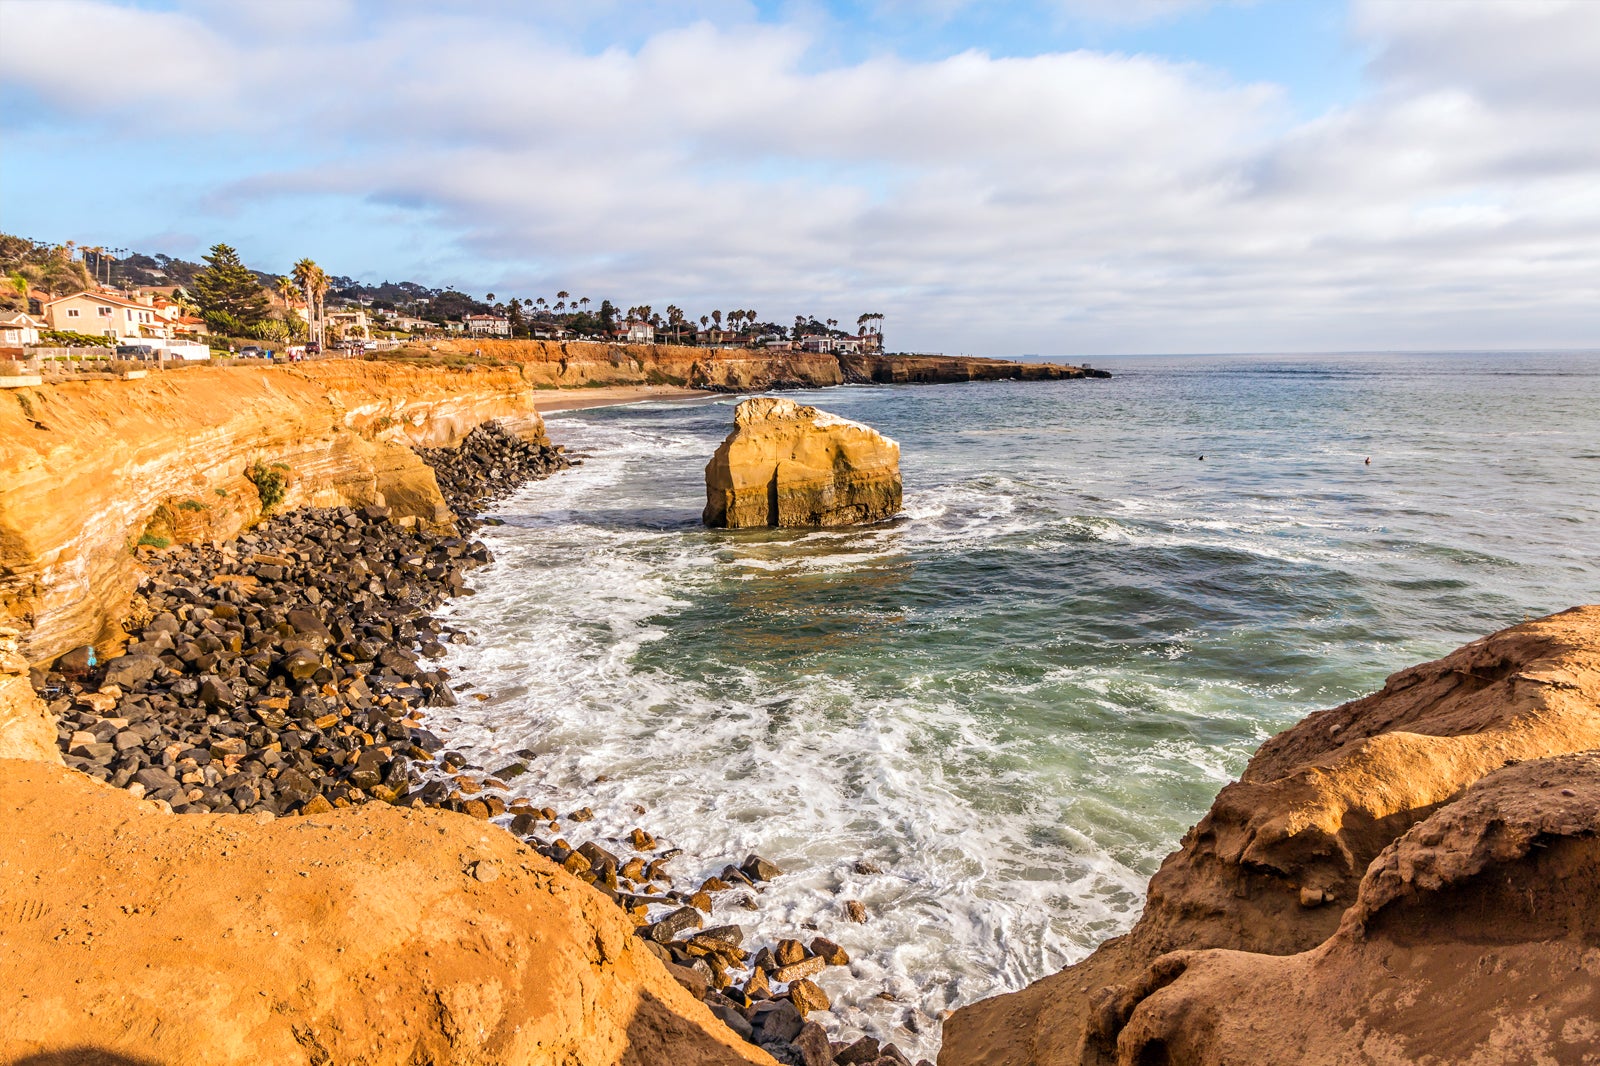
x=270 y=483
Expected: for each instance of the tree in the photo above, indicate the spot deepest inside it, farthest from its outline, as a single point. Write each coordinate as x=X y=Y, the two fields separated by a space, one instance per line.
x=608 y=317
x=491 y=297
x=230 y=288
x=583 y=302
x=514 y=315
x=314 y=280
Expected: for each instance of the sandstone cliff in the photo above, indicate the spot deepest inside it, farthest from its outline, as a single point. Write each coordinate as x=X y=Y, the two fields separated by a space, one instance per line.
x=552 y=364
x=373 y=935
x=1369 y=891
x=794 y=466
x=92 y=467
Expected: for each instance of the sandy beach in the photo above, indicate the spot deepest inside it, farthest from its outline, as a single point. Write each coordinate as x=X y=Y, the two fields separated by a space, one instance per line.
x=610 y=396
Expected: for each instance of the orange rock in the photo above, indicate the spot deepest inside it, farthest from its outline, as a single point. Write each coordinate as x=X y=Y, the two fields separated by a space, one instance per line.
x=213 y=940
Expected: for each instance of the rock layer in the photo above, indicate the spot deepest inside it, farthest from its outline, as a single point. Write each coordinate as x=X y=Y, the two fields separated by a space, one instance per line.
x=793 y=466
x=1291 y=857
x=551 y=364
x=373 y=935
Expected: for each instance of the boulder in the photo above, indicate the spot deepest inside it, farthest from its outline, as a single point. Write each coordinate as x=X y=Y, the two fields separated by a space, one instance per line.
x=1278 y=886
x=793 y=466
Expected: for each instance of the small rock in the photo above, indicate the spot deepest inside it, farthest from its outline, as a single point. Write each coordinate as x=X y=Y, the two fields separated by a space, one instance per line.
x=807 y=997
x=317 y=805
x=789 y=952
x=812 y=1040
x=641 y=840
x=678 y=921
x=855 y=910
x=863 y=1052
x=758 y=869
x=804 y=968
x=831 y=953
x=693 y=981
x=485 y=871
x=867 y=867
x=780 y=1020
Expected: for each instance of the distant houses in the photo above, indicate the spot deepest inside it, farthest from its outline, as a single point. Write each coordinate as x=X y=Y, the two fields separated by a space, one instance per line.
x=636 y=331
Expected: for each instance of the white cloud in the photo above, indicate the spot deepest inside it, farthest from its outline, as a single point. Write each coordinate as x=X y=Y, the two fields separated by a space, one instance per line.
x=1075 y=202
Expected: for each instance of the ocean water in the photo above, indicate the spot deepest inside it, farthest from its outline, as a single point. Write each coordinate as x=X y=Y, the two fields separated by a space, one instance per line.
x=1015 y=698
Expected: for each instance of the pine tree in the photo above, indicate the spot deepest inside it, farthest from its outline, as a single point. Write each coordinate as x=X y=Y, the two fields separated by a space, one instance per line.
x=227 y=287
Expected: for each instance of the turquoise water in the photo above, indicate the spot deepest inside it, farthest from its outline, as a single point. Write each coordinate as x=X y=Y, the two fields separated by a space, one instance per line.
x=1015 y=698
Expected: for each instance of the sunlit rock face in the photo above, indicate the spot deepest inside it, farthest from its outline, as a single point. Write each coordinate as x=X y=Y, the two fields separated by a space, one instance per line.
x=793 y=466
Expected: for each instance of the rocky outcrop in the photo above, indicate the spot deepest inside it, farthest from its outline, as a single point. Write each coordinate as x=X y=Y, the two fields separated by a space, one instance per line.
x=1390 y=816
x=551 y=364
x=793 y=466
x=1471 y=939
x=92 y=468
x=375 y=935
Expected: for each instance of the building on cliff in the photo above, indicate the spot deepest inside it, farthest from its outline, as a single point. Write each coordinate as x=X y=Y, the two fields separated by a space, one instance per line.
x=488 y=325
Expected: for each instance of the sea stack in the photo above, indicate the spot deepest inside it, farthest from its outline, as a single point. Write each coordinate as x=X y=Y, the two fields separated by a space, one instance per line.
x=794 y=466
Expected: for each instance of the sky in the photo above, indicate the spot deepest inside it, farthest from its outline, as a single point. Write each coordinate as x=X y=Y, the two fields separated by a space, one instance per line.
x=1058 y=177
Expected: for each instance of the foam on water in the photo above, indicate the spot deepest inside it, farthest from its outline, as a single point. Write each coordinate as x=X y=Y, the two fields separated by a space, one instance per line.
x=1014 y=698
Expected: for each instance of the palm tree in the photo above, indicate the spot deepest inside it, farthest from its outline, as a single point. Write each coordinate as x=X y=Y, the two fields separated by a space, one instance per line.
x=314 y=280
x=583 y=302
x=562 y=295
x=286 y=289
x=540 y=302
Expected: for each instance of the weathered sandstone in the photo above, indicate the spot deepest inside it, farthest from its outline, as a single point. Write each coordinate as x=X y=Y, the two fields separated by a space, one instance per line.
x=91 y=467
x=788 y=465
x=1471 y=940
x=552 y=364
x=372 y=935
x=1284 y=865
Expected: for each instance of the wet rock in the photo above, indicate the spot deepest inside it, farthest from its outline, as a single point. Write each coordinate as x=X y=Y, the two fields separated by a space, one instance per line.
x=755 y=868
x=778 y=1019
x=812 y=1042
x=855 y=910
x=829 y=952
x=863 y=1052
x=795 y=971
x=678 y=921
x=789 y=952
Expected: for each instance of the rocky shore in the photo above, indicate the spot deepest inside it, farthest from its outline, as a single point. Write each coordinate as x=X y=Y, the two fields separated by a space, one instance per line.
x=286 y=673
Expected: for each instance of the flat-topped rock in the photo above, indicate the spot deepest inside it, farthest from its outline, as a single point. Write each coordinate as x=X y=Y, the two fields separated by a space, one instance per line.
x=794 y=466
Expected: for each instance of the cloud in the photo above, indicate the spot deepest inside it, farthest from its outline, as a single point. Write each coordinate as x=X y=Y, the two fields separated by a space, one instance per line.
x=1068 y=202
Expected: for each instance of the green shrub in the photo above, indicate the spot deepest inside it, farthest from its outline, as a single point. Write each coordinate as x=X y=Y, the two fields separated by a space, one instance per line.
x=270 y=483
x=150 y=540
x=193 y=505
x=66 y=338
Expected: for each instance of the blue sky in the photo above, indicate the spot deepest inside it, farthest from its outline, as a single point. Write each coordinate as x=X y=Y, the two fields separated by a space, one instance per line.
x=1068 y=177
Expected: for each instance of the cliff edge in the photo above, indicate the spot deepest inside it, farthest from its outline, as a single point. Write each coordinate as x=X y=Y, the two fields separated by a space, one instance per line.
x=1409 y=877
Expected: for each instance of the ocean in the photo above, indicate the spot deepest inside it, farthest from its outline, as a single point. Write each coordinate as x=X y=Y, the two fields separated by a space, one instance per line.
x=1013 y=700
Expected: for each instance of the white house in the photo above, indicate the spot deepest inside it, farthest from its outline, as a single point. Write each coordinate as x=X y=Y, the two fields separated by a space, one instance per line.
x=488 y=325
x=19 y=329
x=637 y=332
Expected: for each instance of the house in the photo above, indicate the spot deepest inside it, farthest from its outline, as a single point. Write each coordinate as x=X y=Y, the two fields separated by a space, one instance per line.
x=636 y=332
x=815 y=343
x=551 y=331
x=19 y=329
x=101 y=314
x=488 y=325
x=351 y=325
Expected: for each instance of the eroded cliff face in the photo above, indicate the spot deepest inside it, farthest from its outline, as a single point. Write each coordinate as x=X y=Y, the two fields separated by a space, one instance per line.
x=1374 y=858
x=92 y=467
x=374 y=935
x=794 y=466
x=554 y=364
x=27 y=729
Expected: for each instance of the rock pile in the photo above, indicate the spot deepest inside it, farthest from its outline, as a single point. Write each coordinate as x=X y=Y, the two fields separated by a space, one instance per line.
x=489 y=465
